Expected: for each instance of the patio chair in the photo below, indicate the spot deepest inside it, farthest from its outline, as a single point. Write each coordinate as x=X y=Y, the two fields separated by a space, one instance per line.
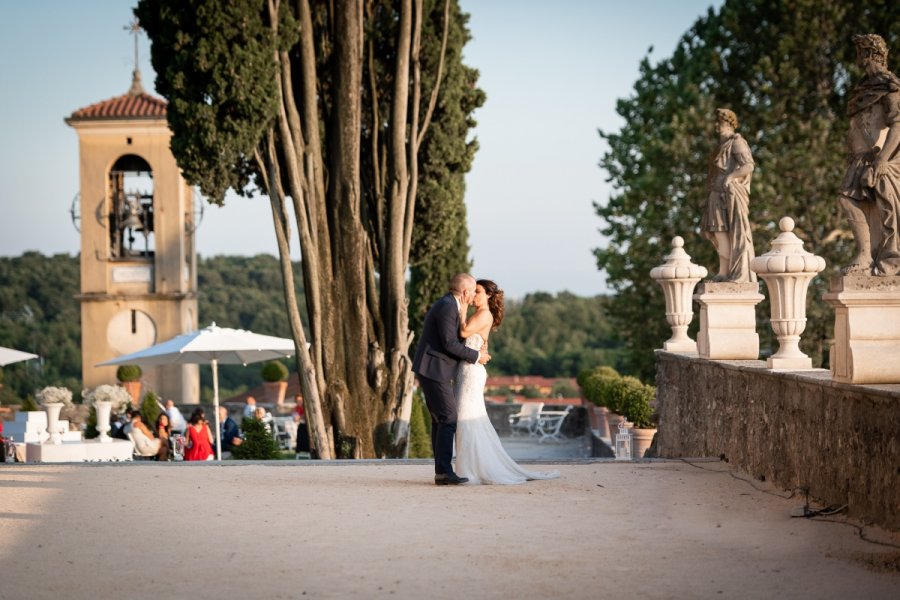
x=526 y=419
x=550 y=424
x=281 y=431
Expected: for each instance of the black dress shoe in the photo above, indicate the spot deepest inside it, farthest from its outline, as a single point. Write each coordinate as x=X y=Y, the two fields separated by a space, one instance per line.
x=451 y=479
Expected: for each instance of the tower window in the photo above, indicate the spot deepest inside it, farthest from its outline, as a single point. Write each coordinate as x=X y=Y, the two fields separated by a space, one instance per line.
x=131 y=208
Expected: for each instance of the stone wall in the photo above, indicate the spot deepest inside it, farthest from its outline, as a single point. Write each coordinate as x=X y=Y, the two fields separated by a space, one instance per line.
x=794 y=429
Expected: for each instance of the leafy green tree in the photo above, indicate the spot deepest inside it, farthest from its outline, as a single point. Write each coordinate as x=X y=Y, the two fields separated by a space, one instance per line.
x=322 y=104
x=553 y=336
x=258 y=444
x=150 y=409
x=39 y=314
x=440 y=246
x=420 y=429
x=785 y=67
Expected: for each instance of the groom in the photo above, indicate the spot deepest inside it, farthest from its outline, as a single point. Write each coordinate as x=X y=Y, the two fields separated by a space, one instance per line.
x=437 y=357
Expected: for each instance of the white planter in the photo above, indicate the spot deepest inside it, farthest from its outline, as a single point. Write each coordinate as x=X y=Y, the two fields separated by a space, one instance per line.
x=53 y=409
x=787 y=270
x=678 y=276
x=104 y=409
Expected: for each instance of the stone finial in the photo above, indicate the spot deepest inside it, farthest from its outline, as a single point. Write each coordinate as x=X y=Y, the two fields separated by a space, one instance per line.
x=787 y=270
x=137 y=88
x=678 y=276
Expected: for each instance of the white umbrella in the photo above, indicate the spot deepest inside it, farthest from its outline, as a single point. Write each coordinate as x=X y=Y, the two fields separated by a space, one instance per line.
x=9 y=356
x=211 y=345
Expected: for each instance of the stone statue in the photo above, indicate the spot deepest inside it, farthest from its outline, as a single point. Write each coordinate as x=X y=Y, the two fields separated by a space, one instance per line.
x=725 y=219
x=870 y=192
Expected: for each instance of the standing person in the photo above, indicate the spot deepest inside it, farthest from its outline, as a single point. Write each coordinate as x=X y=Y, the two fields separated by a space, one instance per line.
x=438 y=355
x=870 y=193
x=726 y=213
x=479 y=455
x=199 y=437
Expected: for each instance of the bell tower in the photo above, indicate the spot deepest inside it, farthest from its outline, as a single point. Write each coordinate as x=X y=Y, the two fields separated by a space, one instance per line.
x=138 y=259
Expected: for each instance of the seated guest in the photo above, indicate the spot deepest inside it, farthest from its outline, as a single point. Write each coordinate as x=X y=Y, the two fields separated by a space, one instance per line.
x=250 y=409
x=231 y=435
x=146 y=444
x=122 y=425
x=164 y=432
x=264 y=417
x=176 y=419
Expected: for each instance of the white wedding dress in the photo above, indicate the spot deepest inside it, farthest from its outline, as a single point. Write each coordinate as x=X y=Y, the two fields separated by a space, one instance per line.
x=479 y=454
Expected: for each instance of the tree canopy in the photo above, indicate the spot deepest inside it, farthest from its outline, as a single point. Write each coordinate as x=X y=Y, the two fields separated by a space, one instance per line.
x=786 y=68
x=331 y=107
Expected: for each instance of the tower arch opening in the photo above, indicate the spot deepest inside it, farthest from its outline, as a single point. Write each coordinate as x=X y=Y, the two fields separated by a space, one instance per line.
x=131 y=221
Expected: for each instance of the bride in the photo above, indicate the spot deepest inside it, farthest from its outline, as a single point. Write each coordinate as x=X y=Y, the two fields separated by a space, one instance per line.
x=479 y=455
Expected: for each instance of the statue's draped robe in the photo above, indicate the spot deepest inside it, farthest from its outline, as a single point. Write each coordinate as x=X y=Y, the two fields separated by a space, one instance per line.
x=883 y=88
x=728 y=207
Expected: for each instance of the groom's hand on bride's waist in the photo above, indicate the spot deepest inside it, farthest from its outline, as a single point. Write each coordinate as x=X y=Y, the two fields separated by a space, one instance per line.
x=483 y=356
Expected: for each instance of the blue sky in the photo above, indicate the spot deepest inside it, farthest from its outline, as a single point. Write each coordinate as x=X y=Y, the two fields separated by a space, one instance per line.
x=552 y=73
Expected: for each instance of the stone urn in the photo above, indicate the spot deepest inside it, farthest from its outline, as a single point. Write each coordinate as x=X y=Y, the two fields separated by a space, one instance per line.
x=787 y=270
x=678 y=277
x=53 y=409
x=104 y=410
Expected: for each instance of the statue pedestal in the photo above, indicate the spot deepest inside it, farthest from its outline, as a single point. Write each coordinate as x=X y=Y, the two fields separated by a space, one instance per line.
x=866 y=347
x=728 y=320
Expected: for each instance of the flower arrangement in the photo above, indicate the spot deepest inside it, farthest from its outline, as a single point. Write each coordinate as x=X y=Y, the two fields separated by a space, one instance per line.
x=51 y=394
x=118 y=395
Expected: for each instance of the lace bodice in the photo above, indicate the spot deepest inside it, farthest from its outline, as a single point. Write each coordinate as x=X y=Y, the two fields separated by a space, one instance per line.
x=475 y=342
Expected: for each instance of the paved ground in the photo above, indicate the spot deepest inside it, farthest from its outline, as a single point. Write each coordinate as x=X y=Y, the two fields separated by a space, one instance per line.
x=381 y=530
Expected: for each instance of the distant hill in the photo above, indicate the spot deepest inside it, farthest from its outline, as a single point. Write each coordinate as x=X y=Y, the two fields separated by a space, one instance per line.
x=543 y=334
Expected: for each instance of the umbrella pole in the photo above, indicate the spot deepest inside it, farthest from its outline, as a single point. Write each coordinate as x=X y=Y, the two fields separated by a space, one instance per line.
x=215 y=373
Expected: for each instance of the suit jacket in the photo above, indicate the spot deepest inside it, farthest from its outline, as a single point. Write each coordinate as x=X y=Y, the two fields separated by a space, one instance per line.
x=440 y=348
x=229 y=432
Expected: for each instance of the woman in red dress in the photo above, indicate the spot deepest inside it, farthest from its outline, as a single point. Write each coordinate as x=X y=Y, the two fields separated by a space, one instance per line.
x=199 y=437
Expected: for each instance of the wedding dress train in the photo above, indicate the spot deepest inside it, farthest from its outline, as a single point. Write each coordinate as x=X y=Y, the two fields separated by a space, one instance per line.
x=479 y=454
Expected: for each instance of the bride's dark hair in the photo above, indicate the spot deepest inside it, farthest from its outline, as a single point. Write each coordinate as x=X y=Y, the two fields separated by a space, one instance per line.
x=495 y=300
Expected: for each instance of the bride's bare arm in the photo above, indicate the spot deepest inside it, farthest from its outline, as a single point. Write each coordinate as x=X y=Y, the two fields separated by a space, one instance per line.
x=478 y=322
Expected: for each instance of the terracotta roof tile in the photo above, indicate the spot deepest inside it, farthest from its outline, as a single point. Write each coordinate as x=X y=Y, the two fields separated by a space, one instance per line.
x=126 y=106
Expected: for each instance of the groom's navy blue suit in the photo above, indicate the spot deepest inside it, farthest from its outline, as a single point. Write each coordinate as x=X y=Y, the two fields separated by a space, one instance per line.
x=437 y=357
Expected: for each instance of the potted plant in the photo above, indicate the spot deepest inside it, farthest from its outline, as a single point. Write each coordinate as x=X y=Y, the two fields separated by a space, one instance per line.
x=636 y=406
x=105 y=399
x=598 y=388
x=53 y=399
x=129 y=377
x=274 y=375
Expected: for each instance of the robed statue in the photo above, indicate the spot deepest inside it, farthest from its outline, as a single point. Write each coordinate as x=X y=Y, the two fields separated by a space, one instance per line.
x=725 y=220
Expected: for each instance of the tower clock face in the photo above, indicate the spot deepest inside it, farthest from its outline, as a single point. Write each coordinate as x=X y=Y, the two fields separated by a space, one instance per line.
x=130 y=330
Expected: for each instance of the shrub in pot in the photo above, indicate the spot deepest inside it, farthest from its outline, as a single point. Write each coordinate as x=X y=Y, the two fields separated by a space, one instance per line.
x=274 y=374
x=273 y=371
x=127 y=373
x=130 y=377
